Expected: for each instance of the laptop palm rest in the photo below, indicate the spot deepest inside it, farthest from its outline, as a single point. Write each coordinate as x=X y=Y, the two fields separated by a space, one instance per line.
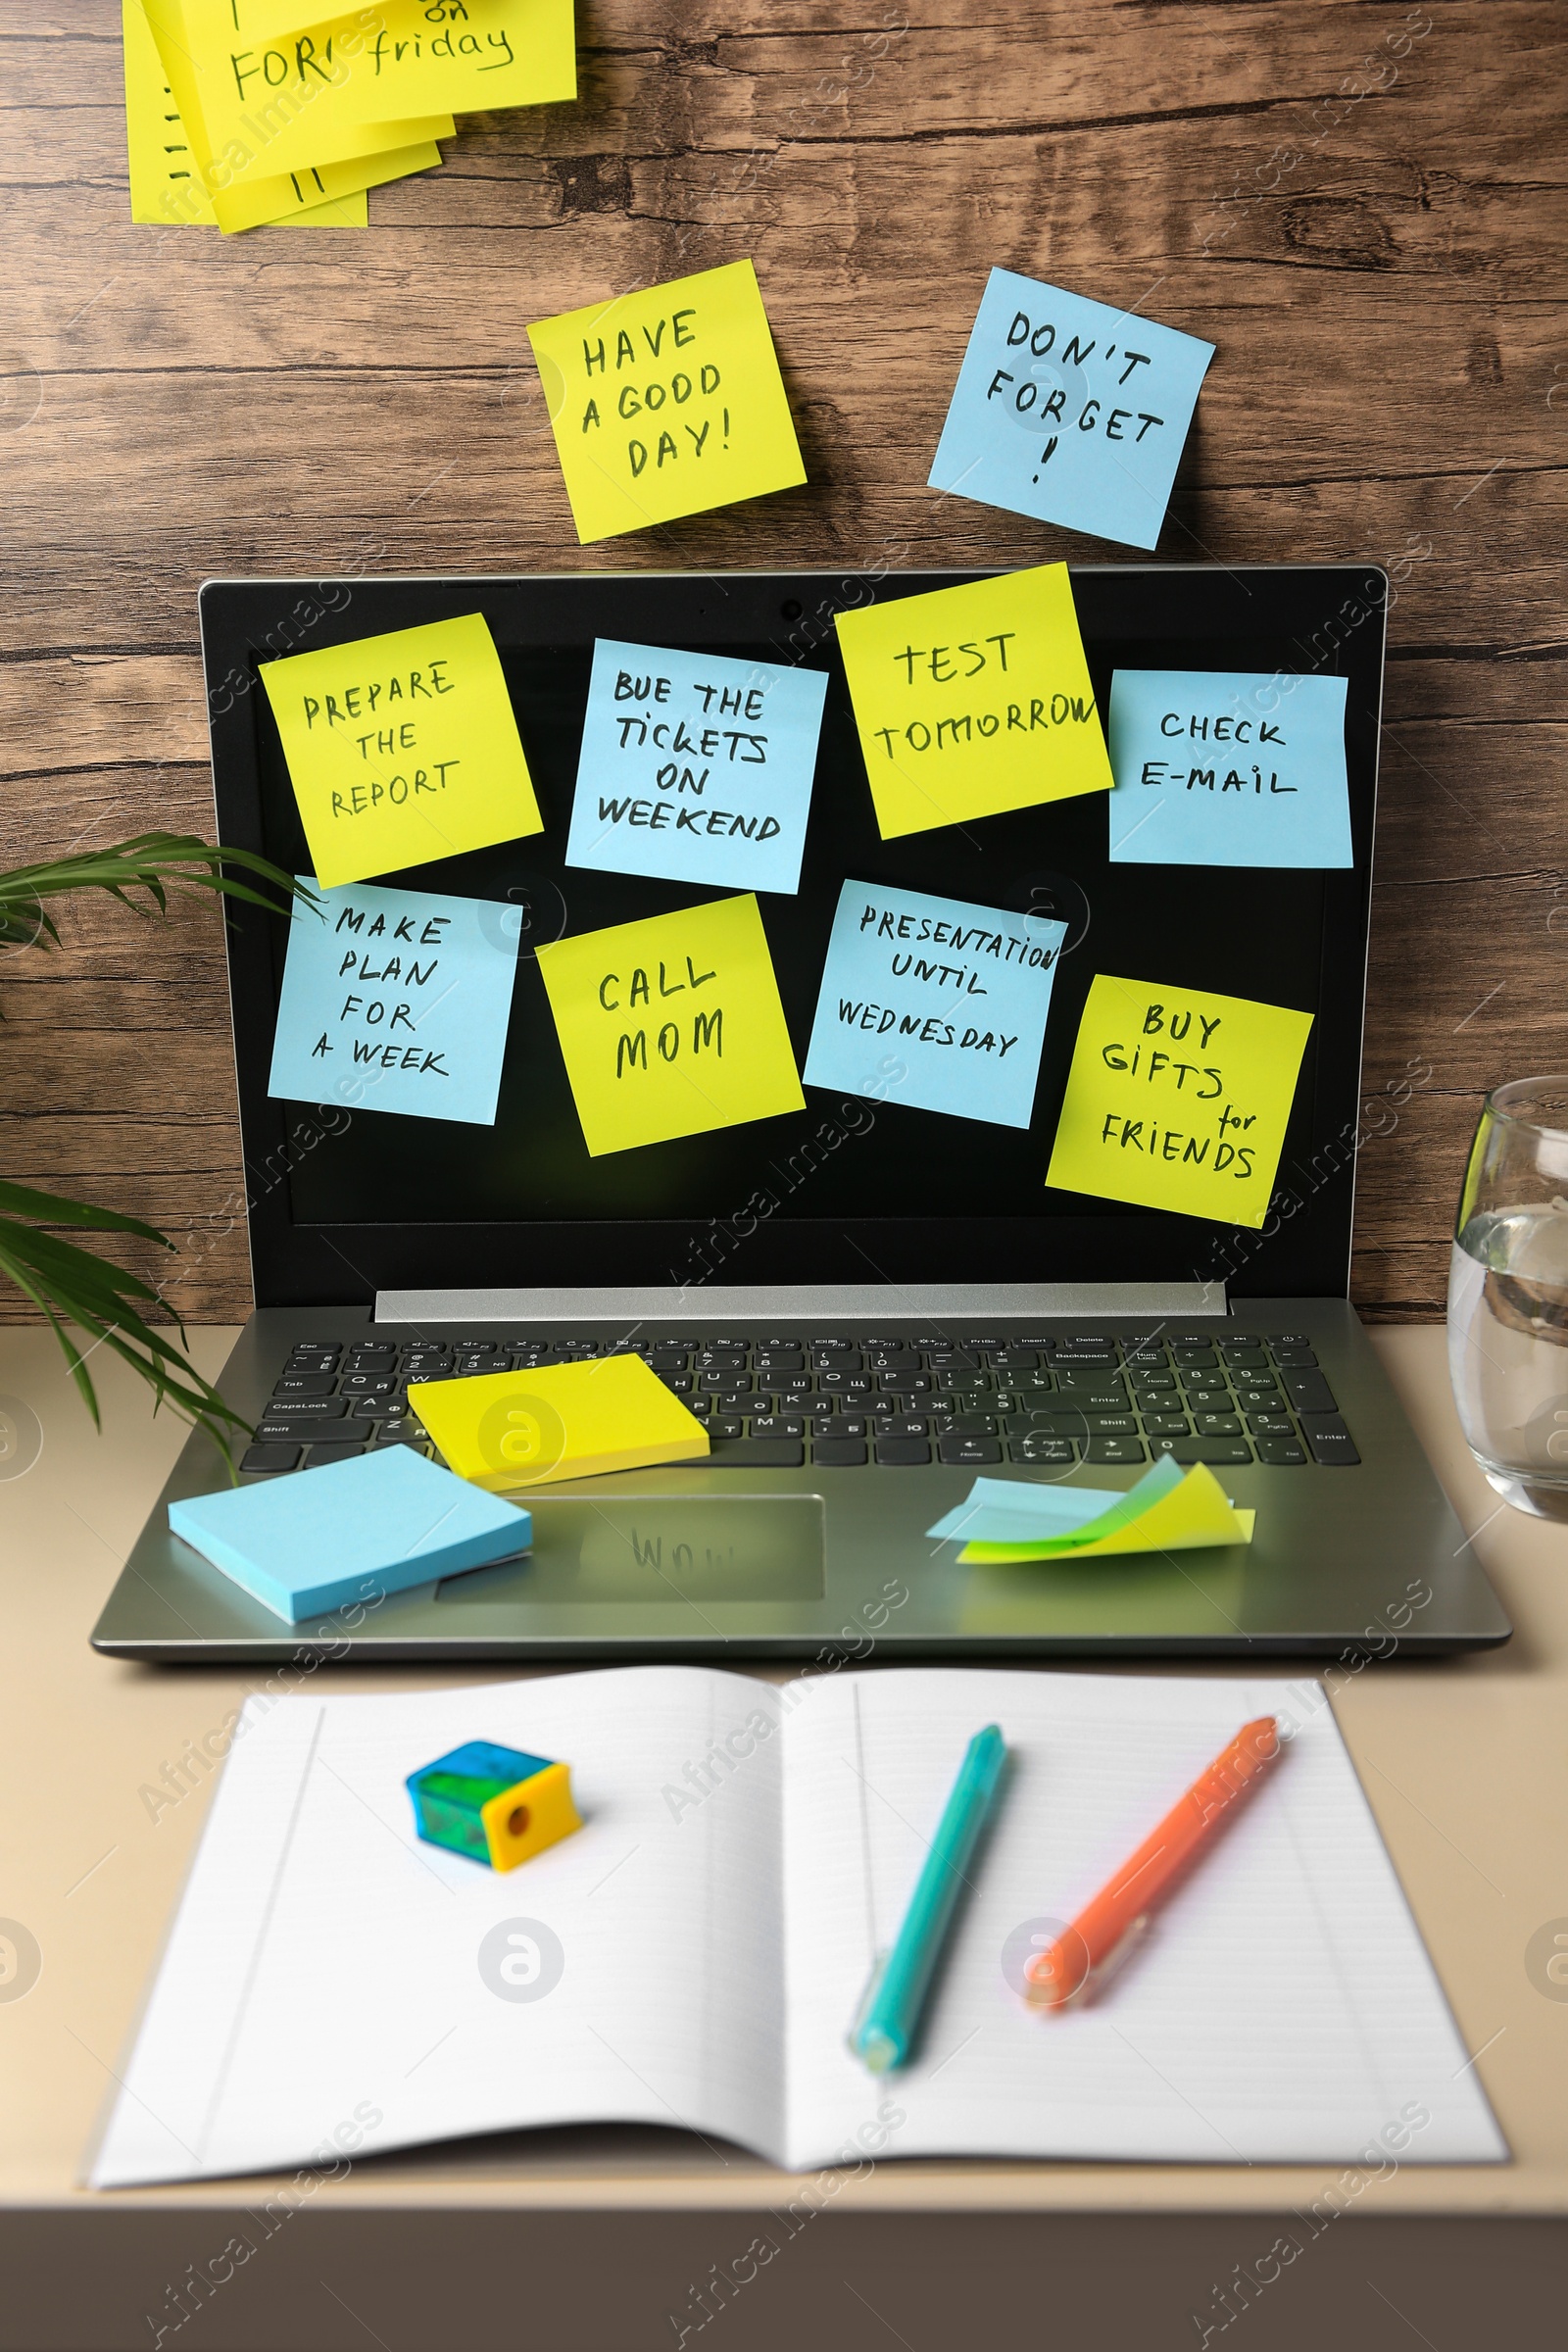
x=691 y=1549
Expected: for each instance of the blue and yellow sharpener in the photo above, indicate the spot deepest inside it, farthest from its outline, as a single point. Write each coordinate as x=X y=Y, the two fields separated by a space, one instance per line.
x=498 y=1805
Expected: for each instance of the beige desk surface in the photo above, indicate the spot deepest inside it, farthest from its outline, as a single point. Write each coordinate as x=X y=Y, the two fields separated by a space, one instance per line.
x=1465 y=1763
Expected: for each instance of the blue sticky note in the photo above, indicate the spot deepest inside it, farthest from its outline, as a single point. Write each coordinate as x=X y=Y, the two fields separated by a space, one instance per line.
x=1015 y=1510
x=695 y=767
x=353 y=1531
x=1220 y=767
x=934 y=1003
x=1006 y=1510
x=1070 y=411
x=396 y=1001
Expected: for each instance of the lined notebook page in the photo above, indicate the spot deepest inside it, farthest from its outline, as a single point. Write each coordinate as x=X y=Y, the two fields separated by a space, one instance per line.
x=1282 y=2008
x=326 y=1966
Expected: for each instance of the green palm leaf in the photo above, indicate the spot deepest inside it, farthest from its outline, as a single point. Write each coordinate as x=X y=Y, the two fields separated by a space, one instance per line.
x=147 y=864
x=76 y=1290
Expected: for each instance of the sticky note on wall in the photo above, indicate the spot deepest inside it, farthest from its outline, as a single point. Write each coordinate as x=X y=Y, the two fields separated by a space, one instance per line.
x=1225 y=767
x=696 y=769
x=282 y=101
x=167 y=185
x=249 y=121
x=1069 y=411
x=1178 y=1099
x=402 y=749
x=398 y=1000
x=935 y=1004
x=973 y=699
x=666 y=402
x=672 y=1026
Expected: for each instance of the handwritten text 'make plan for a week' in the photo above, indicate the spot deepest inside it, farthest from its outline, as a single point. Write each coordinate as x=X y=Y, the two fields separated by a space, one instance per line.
x=402 y=749
x=958 y=996
x=666 y=402
x=672 y=1026
x=696 y=769
x=397 y=1002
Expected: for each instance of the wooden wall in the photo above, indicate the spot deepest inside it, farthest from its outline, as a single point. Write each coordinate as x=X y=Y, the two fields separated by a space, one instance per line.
x=1363 y=206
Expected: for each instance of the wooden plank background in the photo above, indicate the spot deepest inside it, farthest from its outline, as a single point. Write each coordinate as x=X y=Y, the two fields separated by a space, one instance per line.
x=1362 y=206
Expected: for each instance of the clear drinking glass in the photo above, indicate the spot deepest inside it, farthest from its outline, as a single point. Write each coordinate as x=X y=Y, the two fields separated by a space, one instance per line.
x=1508 y=1295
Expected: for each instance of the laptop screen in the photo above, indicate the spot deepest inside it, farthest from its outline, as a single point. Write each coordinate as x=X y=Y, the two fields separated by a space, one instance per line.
x=858 y=1186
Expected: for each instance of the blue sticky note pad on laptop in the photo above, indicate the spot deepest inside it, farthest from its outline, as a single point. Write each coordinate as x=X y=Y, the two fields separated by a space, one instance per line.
x=355 y=1531
x=1070 y=411
x=695 y=767
x=398 y=1000
x=934 y=1003
x=1226 y=767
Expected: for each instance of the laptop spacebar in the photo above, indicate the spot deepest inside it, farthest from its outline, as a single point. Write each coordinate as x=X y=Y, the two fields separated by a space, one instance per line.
x=756 y=1453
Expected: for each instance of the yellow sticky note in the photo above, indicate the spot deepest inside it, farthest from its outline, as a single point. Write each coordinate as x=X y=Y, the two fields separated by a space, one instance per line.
x=297 y=127
x=1178 y=1098
x=167 y=185
x=273 y=102
x=672 y=1026
x=505 y=1430
x=973 y=699
x=402 y=749
x=666 y=402
x=1194 y=1515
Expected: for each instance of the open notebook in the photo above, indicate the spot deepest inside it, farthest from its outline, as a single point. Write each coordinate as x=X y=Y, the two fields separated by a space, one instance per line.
x=694 y=1956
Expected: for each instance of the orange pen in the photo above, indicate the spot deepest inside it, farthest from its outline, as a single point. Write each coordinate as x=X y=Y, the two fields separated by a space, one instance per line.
x=1121 y=1908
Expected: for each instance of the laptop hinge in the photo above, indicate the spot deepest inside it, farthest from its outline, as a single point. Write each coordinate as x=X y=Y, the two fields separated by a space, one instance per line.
x=765 y=1302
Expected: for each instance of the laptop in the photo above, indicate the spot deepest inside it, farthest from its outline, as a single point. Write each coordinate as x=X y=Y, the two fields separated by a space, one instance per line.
x=870 y=1302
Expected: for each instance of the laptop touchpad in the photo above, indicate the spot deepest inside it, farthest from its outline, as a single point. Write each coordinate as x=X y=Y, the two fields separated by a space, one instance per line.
x=676 y=1547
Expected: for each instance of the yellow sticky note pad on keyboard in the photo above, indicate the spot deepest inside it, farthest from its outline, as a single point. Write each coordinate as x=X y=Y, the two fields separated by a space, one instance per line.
x=503 y=1429
x=402 y=749
x=672 y=1026
x=971 y=700
x=666 y=402
x=1178 y=1098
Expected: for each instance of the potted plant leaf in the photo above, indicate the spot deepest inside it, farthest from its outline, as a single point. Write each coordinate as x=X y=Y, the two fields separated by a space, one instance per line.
x=87 y=1301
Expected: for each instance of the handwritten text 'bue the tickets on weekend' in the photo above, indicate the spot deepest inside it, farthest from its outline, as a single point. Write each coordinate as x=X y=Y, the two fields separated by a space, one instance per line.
x=666 y=402
x=1069 y=411
x=1178 y=1099
x=695 y=767
x=1225 y=767
x=396 y=1001
x=402 y=749
x=935 y=1004
x=672 y=1026
x=974 y=699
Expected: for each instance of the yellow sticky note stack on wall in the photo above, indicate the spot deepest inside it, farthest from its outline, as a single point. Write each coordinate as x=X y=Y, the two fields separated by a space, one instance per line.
x=503 y=1429
x=241 y=113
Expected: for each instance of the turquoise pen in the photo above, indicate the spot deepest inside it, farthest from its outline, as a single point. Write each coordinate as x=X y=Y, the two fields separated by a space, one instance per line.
x=890 y=2012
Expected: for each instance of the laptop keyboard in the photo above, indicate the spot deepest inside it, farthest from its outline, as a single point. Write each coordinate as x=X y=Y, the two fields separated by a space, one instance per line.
x=894 y=1401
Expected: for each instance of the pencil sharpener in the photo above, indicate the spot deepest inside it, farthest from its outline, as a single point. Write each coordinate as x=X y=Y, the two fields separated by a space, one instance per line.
x=498 y=1805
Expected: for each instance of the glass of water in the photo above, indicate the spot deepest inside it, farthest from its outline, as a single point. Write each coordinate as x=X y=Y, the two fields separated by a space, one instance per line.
x=1508 y=1295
